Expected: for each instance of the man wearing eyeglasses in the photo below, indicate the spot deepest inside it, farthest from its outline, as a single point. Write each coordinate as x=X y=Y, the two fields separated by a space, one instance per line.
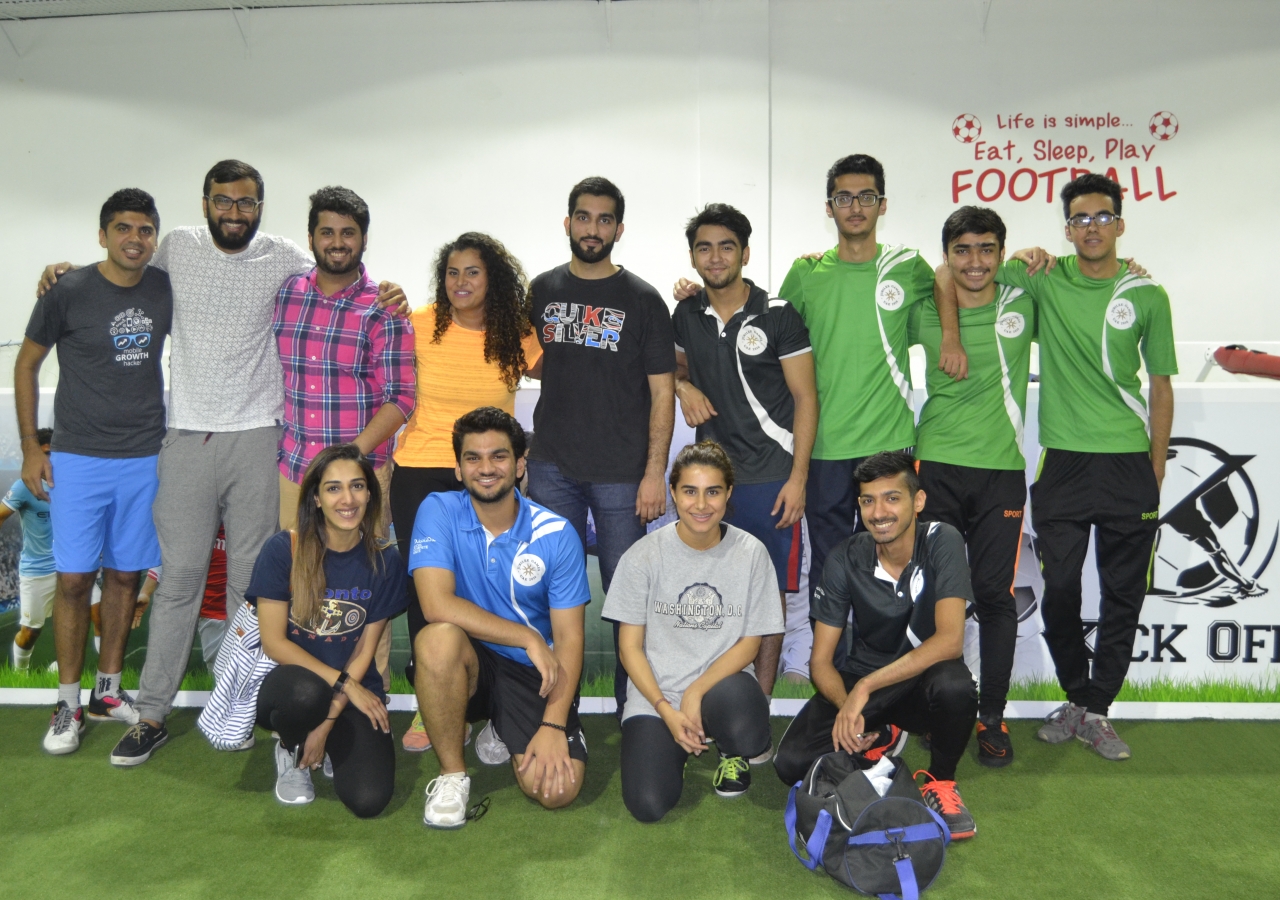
x=856 y=300
x=218 y=461
x=1104 y=454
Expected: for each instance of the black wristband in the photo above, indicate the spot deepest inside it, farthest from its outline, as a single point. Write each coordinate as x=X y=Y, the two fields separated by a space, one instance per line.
x=556 y=727
x=341 y=682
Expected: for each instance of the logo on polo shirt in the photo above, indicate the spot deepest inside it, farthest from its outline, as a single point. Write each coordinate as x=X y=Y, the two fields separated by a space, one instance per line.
x=890 y=295
x=917 y=583
x=528 y=569
x=1011 y=325
x=752 y=341
x=1121 y=314
x=420 y=544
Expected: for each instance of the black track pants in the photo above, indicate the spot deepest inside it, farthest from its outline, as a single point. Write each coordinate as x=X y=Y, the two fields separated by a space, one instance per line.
x=1115 y=493
x=984 y=505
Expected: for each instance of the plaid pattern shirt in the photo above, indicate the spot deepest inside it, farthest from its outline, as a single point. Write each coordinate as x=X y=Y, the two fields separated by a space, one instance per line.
x=343 y=358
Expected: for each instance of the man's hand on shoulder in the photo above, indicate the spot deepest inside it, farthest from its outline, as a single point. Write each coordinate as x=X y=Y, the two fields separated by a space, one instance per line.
x=683 y=289
x=391 y=296
x=1037 y=259
x=50 y=277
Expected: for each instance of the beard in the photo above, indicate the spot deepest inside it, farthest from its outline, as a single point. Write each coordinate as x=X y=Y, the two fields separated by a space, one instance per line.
x=496 y=494
x=590 y=256
x=724 y=281
x=353 y=263
x=229 y=242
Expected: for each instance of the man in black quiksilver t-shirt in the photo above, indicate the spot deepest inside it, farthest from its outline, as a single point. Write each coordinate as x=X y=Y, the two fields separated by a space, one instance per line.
x=907 y=585
x=602 y=426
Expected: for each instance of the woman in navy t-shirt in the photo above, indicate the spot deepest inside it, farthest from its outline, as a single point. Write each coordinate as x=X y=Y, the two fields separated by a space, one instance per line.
x=323 y=600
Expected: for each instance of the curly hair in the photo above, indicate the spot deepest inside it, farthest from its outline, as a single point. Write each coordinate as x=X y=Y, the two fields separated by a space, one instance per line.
x=506 y=303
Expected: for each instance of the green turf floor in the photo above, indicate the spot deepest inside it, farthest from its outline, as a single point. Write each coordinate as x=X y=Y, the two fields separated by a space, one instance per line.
x=1192 y=815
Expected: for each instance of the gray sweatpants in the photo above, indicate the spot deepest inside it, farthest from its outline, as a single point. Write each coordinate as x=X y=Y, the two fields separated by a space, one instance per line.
x=205 y=479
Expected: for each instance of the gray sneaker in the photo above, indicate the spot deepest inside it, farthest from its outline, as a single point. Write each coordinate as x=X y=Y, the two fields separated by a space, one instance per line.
x=1061 y=724
x=1099 y=734
x=490 y=748
x=293 y=785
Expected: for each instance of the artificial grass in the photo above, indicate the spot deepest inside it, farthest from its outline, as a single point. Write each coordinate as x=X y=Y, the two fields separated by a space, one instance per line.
x=1190 y=816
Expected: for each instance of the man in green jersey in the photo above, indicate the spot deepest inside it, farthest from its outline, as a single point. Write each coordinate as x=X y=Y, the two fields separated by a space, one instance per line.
x=1104 y=451
x=969 y=445
x=855 y=300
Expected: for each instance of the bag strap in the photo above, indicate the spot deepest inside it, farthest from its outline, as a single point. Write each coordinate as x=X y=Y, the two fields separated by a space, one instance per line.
x=926 y=832
x=907 y=879
x=817 y=841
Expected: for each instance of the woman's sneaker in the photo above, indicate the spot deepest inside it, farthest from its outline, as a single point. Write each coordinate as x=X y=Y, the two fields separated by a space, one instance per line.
x=65 y=728
x=116 y=707
x=1061 y=724
x=994 y=747
x=733 y=776
x=416 y=739
x=943 y=797
x=293 y=785
x=447 y=797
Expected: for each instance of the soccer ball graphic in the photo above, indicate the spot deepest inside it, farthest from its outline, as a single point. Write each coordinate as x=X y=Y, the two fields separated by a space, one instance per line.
x=966 y=128
x=1163 y=126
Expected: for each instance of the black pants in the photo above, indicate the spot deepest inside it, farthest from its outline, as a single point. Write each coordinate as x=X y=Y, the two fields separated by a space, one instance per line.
x=985 y=505
x=410 y=485
x=1116 y=494
x=941 y=701
x=832 y=513
x=734 y=712
x=293 y=701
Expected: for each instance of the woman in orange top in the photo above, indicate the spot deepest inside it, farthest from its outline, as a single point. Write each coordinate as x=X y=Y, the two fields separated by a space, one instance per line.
x=471 y=347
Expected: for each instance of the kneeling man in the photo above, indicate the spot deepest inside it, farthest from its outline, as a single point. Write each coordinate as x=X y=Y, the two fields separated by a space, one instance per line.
x=907 y=585
x=503 y=583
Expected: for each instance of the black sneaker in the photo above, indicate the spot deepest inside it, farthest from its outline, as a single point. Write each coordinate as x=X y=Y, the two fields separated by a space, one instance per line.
x=944 y=798
x=733 y=776
x=994 y=747
x=138 y=743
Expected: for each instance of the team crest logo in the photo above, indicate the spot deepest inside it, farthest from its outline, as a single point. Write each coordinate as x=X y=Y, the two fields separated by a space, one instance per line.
x=336 y=617
x=1121 y=314
x=751 y=340
x=890 y=295
x=1010 y=325
x=917 y=583
x=1211 y=547
x=528 y=569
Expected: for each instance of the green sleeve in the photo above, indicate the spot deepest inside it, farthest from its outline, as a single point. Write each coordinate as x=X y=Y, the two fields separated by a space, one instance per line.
x=792 y=289
x=914 y=318
x=921 y=279
x=1158 y=351
x=1014 y=272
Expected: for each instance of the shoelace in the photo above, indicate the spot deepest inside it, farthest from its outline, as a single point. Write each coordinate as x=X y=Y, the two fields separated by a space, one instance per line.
x=134 y=733
x=1106 y=729
x=1059 y=715
x=63 y=717
x=445 y=790
x=943 y=791
x=729 y=769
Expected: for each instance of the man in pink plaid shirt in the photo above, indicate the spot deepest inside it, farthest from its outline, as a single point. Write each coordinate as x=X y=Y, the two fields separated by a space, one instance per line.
x=348 y=363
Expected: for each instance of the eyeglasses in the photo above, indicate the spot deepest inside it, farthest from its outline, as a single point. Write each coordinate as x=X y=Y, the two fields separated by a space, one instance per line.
x=866 y=198
x=1102 y=219
x=244 y=204
x=137 y=340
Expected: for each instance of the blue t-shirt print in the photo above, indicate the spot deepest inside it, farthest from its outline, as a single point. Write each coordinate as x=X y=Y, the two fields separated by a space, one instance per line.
x=355 y=595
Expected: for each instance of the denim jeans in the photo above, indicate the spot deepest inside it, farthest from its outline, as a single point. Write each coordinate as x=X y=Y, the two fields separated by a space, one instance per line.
x=613 y=510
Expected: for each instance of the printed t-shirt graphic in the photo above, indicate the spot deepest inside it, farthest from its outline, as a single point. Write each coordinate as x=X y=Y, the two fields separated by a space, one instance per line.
x=857 y=319
x=1094 y=334
x=455 y=379
x=601 y=339
x=521 y=575
x=978 y=422
x=694 y=604
x=738 y=365
x=355 y=595
x=110 y=397
x=37 y=532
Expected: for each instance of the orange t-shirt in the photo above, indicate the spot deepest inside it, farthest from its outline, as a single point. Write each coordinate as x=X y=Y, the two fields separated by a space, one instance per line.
x=453 y=379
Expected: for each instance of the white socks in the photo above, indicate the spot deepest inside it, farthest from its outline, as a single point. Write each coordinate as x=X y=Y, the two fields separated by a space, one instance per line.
x=69 y=694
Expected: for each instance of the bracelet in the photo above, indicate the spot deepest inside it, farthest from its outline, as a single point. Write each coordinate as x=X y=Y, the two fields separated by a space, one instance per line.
x=341 y=682
x=25 y=437
x=661 y=701
x=555 y=726
x=331 y=719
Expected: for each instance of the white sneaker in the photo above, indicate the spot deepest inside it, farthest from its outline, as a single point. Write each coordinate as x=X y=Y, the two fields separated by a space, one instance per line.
x=64 y=732
x=293 y=785
x=328 y=767
x=113 y=707
x=490 y=748
x=246 y=744
x=447 y=798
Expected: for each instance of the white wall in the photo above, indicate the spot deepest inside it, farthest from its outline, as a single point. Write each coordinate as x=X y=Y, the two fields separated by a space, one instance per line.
x=449 y=117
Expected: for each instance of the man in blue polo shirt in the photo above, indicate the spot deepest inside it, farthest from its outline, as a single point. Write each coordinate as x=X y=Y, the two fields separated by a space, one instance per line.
x=503 y=583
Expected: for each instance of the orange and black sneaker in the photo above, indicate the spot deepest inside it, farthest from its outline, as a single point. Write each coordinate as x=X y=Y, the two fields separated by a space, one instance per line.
x=994 y=747
x=891 y=743
x=943 y=797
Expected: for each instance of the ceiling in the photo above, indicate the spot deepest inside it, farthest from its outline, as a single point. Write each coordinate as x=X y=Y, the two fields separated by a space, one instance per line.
x=48 y=9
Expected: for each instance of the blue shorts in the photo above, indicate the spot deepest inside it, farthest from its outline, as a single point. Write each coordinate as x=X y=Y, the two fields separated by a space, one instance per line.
x=100 y=510
x=750 y=506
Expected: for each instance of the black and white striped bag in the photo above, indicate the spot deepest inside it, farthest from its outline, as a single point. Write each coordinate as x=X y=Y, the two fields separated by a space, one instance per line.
x=229 y=716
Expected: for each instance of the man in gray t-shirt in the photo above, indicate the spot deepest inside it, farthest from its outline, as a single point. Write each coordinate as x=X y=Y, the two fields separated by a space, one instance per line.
x=694 y=604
